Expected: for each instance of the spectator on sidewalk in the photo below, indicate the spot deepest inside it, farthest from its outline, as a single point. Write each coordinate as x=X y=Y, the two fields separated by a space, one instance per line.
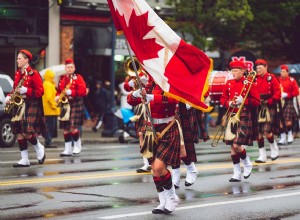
x=102 y=103
x=51 y=110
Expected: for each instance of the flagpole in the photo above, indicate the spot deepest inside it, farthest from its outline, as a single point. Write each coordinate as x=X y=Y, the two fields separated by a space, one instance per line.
x=140 y=88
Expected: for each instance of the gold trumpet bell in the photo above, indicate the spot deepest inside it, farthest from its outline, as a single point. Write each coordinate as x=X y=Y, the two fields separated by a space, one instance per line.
x=128 y=66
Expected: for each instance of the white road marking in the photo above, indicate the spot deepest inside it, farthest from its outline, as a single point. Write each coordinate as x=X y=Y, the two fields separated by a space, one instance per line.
x=205 y=205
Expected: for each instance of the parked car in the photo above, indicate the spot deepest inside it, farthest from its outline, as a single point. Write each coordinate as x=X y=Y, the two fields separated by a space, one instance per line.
x=7 y=138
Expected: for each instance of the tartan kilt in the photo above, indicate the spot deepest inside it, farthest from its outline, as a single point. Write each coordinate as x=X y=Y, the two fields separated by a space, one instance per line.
x=273 y=125
x=141 y=123
x=201 y=122
x=188 y=124
x=168 y=148
x=33 y=120
x=289 y=112
x=244 y=135
x=76 y=115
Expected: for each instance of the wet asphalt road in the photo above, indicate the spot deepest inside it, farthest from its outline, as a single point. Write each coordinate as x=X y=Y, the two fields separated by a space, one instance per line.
x=102 y=183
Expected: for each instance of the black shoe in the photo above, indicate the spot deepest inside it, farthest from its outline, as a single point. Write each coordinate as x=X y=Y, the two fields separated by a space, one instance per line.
x=274 y=158
x=176 y=187
x=234 y=180
x=43 y=159
x=20 y=165
x=94 y=129
x=66 y=155
x=246 y=177
x=260 y=161
x=158 y=211
x=187 y=183
x=142 y=171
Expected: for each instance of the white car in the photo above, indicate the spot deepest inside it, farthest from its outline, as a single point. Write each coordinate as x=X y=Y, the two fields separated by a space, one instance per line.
x=7 y=138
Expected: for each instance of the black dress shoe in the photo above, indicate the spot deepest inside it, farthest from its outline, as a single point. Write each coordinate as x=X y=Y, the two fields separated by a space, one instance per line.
x=65 y=155
x=187 y=183
x=260 y=161
x=274 y=158
x=158 y=211
x=142 y=171
x=41 y=161
x=234 y=180
x=94 y=129
x=246 y=177
x=176 y=187
x=20 y=165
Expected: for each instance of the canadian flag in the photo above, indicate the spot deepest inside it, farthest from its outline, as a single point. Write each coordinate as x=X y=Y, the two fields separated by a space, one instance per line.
x=180 y=69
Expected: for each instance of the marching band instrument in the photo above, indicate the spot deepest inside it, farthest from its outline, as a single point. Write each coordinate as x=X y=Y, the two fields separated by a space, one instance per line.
x=62 y=99
x=128 y=66
x=229 y=122
x=16 y=99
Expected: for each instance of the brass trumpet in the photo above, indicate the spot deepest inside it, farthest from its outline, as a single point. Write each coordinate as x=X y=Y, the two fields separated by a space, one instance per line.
x=128 y=66
x=228 y=120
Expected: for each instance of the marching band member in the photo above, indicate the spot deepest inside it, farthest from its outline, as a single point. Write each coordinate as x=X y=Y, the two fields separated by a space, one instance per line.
x=289 y=91
x=269 y=90
x=73 y=87
x=189 y=118
x=167 y=150
x=234 y=94
x=140 y=122
x=32 y=121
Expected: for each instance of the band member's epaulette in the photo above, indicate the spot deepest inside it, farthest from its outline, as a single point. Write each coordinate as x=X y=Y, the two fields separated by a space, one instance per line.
x=31 y=72
x=292 y=79
x=74 y=76
x=269 y=78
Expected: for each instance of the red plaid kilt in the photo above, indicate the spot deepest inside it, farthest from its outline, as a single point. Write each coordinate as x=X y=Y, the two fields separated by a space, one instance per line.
x=244 y=135
x=188 y=124
x=33 y=120
x=289 y=112
x=168 y=148
x=76 y=115
x=273 y=125
x=201 y=123
x=140 y=125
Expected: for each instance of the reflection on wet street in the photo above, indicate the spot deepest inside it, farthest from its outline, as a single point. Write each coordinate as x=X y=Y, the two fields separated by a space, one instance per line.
x=100 y=182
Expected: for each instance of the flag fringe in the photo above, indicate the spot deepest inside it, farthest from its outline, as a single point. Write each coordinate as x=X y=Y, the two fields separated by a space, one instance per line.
x=206 y=87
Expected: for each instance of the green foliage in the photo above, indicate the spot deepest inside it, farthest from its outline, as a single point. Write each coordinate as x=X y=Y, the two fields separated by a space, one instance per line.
x=224 y=21
x=272 y=26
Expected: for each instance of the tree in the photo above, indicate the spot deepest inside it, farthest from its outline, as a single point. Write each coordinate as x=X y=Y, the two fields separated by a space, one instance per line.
x=275 y=28
x=223 y=21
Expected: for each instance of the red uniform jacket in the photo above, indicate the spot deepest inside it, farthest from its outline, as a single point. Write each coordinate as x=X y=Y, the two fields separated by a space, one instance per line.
x=78 y=86
x=267 y=84
x=160 y=107
x=289 y=86
x=33 y=82
x=234 y=88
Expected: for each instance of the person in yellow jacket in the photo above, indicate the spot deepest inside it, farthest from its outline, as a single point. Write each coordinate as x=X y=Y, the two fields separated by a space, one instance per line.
x=51 y=110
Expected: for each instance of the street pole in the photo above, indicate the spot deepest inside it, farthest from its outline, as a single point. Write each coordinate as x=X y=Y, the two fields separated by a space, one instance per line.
x=111 y=121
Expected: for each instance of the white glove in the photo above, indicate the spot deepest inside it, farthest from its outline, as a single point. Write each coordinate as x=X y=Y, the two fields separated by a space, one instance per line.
x=7 y=99
x=23 y=90
x=56 y=98
x=284 y=95
x=239 y=100
x=149 y=97
x=230 y=104
x=131 y=83
x=68 y=92
x=188 y=107
x=144 y=79
x=137 y=93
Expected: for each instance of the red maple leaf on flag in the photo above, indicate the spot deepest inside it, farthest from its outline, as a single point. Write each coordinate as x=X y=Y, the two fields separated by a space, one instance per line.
x=135 y=32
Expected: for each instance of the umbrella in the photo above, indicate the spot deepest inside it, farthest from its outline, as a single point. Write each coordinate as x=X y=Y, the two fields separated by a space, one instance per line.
x=58 y=70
